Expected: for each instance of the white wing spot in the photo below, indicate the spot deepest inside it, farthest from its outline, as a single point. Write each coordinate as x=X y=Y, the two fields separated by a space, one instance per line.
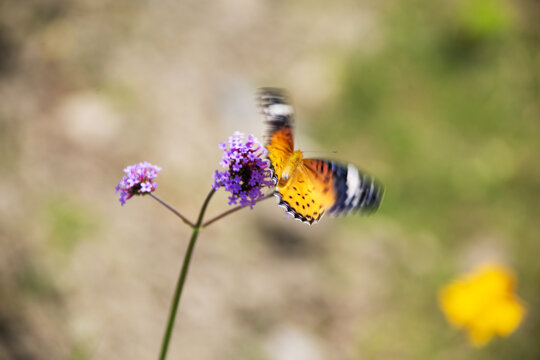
x=280 y=109
x=353 y=183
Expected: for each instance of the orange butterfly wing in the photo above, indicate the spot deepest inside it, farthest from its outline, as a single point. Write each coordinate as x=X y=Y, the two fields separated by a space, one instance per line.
x=280 y=150
x=308 y=193
x=319 y=186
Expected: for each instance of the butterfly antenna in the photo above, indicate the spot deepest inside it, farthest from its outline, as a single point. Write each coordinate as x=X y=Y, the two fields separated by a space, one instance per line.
x=320 y=152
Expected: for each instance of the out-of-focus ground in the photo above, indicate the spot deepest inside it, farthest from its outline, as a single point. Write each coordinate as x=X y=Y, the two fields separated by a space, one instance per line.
x=440 y=100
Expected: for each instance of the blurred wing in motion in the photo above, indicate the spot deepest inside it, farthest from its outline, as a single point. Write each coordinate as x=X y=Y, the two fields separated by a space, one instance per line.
x=279 y=115
x=354 y=191
x=321 y=185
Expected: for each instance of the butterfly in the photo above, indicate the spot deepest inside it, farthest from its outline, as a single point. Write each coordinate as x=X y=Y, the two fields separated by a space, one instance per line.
x=308 y=188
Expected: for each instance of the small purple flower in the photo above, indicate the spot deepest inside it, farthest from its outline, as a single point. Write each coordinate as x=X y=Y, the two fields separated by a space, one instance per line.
x=246 y=170
x=137 y=181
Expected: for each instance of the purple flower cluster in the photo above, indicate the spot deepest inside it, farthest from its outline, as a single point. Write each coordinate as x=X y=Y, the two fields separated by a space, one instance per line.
x=246 y=171
x=137 y=181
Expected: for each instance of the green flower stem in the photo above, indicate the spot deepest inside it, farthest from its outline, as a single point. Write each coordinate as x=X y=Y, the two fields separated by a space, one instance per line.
x=182 y=278
x=228 y=212
x=174 y=211
x=187 y=259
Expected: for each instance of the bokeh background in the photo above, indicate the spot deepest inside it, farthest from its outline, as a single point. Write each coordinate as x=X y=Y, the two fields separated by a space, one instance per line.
x=439 y=99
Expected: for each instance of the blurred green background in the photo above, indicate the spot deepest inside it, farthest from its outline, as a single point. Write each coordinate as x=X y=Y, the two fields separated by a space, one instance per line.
x=440 y=100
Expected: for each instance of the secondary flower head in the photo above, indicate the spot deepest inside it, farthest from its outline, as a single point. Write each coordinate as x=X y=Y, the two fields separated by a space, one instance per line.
x=483 y=303
x=246 y=171
x=139 y=180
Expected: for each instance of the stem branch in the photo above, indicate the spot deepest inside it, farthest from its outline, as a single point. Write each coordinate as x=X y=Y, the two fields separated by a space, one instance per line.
x=230 y=211
x=175 y=212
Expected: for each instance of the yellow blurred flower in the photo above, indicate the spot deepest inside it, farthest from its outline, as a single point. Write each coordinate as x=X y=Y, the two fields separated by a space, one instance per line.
x=483 y=303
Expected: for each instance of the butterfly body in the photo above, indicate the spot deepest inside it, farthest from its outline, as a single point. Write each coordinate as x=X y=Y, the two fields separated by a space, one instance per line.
x=307 y=188
x=290 y=166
